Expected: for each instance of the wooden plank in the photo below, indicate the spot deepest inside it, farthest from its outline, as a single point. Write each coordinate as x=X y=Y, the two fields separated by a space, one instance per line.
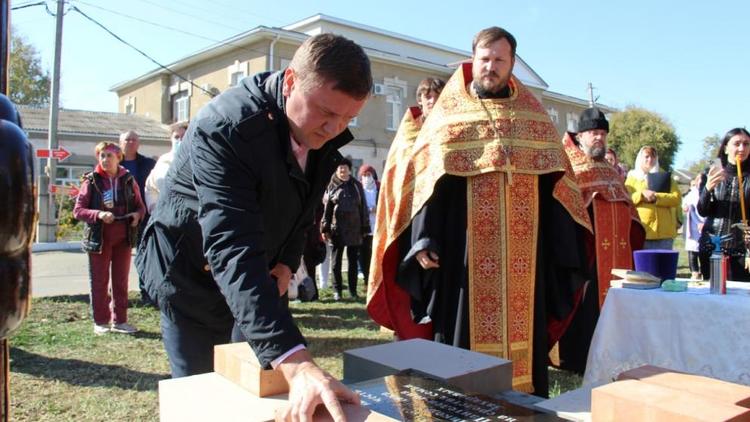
x=718 y=390
x=238 y=363
x=634 y=400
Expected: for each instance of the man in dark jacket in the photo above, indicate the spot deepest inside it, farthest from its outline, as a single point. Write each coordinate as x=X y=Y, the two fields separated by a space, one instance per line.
x=228 y=231
x=140 y=167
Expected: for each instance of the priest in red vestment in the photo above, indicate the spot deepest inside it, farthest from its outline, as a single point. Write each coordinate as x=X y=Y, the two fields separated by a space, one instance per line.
x=617 y=229
x=479 y=230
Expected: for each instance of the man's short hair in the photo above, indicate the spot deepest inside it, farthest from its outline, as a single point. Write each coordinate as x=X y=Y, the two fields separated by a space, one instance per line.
x=125 y=135
x=430 y=85
x=490 y=35
x=346 y=162
x=332 y=58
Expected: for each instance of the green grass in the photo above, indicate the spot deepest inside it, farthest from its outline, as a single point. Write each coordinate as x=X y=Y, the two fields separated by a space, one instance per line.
x=61 y=371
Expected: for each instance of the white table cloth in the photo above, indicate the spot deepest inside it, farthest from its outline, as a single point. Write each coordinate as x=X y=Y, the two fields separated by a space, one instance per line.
x=691 y=331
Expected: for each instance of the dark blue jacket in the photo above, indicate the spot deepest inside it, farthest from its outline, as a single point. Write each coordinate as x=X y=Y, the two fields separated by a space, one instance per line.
x=145 y=165
x=235 y=204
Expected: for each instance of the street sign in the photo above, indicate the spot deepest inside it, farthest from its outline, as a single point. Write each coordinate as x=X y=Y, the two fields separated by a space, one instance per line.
x=70 y=190
x=60 y=154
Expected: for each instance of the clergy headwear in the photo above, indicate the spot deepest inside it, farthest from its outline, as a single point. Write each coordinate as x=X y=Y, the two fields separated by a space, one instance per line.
x=592 y=118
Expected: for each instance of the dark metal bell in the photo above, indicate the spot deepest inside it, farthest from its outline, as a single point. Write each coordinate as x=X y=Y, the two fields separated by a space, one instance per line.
x=17 y=221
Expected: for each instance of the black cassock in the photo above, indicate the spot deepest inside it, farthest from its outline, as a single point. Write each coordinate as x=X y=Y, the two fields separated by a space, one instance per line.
x=441 y=294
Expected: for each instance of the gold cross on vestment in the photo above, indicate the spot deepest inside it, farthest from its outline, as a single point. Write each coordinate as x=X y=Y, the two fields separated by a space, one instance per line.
x=606 y=244
x=623 y=243
x=508 y=168
x=611 y=189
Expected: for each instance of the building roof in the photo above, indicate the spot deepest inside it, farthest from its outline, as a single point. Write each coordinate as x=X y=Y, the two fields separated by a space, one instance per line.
x=576 y=101
x=239 y=41
x=92 y=123
x=379 y=44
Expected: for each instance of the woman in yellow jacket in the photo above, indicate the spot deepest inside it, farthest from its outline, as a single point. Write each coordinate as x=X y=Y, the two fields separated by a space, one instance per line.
x=657 y=210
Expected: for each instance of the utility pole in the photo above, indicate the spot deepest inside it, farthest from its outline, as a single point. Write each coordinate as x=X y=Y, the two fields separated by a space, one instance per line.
x=591 y=95
x=47 y=209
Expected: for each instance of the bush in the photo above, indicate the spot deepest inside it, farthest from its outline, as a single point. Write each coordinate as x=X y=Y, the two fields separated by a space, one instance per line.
x=68 y=228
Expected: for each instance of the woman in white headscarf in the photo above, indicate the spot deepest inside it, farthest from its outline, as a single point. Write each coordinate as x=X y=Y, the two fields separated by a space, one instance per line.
x=656 y=205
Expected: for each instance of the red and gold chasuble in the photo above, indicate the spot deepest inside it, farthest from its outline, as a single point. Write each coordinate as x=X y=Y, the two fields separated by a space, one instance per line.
x=617 y=228
x=501 y=146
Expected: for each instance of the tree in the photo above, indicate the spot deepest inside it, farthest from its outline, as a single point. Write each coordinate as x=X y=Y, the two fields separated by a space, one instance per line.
x=710 y=149
x=636 y=127
x=29 y=84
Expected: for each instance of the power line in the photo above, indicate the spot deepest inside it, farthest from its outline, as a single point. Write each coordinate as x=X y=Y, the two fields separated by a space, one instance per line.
x=210 y=94
x=201 y=18
x=135 y=18
x=234 y=10
x=169 y=28
x=40 y=3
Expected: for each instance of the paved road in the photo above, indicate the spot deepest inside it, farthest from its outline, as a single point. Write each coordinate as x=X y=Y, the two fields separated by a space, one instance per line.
x=58 y=273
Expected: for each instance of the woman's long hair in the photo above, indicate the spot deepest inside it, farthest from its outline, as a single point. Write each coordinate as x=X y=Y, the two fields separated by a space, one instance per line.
x=721 y=154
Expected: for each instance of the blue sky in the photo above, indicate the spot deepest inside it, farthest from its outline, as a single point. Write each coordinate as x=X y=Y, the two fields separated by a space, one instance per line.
x=687 y=61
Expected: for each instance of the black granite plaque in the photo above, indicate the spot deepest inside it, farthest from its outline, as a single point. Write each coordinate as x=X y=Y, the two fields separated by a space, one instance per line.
x=413 y=396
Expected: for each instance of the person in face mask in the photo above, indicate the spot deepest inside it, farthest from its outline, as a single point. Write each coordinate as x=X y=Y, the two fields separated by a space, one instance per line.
x=369 y=179
x=155 y=180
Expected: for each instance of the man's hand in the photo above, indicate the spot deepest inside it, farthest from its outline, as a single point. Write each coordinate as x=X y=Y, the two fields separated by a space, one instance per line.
x=106 y=216
x=326 y=236
x=428 y=259
x=135 y=218
x=310 y=386
x=649 y=195
x=283 y=276
x=715 y=176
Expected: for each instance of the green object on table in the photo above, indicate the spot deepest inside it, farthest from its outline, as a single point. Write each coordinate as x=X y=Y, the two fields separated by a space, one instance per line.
x=674 y=285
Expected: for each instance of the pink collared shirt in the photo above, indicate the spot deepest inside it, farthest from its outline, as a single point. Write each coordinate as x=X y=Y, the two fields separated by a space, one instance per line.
x=300 y=152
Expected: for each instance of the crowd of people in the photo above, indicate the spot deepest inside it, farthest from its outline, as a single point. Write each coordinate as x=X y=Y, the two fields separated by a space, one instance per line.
x=484 y=232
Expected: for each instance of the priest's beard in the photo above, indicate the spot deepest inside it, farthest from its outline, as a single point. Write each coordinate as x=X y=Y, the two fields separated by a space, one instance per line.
x=596 y=152
x=491 y=92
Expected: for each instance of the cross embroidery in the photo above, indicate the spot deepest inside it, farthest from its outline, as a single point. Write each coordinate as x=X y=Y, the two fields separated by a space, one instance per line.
x=508 y=168
x=623 y=243
x=611 y=189
x=606 y=244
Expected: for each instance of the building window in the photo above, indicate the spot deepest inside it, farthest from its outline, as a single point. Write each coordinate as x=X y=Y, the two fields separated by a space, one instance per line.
x=130 y=105
x=181 y=106
x=235 y=78
x=356 y=164
x=236 y=71
x=70 y=175
x=554 y=115
x=572 y=122
x=395 y=92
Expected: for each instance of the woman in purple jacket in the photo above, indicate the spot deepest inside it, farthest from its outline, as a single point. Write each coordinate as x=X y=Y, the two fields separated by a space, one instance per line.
x=111 y=206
